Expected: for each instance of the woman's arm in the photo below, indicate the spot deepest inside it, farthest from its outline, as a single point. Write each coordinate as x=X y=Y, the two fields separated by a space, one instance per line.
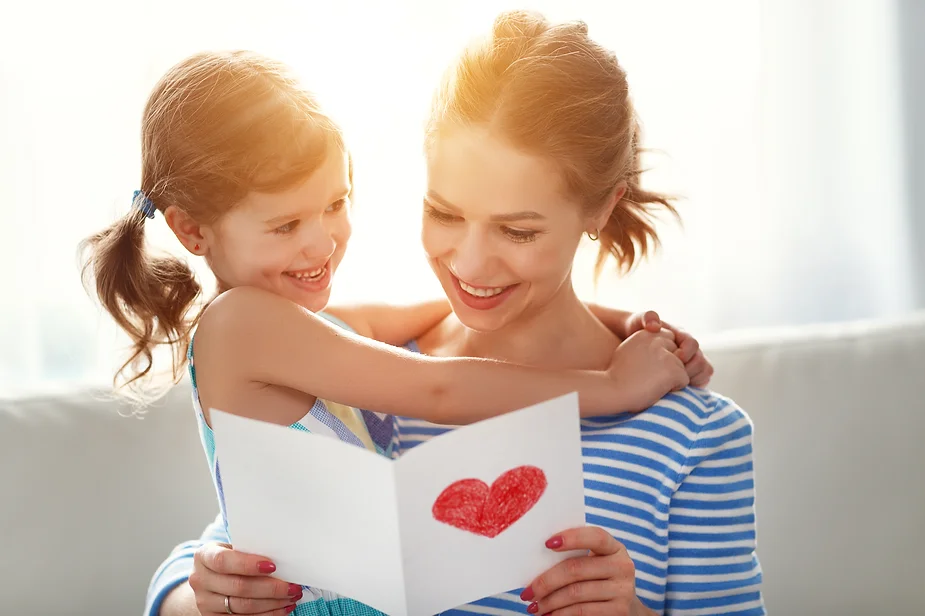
x=291 y=347
x=168 y=587
x=712 y=517
x=394 y=325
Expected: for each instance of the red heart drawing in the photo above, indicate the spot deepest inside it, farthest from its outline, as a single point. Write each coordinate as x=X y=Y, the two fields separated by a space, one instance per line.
x=470 y=505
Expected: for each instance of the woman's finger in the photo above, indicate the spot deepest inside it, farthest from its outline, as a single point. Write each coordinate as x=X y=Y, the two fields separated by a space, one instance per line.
x=593 y=538
x=222 y=558
x=568 y=573
x=213 y=602
x=251 y=587
x=583 y=592
x=599 y=608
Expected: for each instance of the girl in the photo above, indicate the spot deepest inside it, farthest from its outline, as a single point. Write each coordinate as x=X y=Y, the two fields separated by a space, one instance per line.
x=250 y=174
x=532 y=142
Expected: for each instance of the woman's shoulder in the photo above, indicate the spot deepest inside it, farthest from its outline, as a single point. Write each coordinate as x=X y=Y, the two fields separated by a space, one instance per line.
x=698 y=417
x=701 y=406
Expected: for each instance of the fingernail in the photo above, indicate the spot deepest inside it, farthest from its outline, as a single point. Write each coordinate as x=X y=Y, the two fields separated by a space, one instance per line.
x=290 y=609
x=265 y=566
x=555 y=542
x=294 y=589
x=533 y=608
x=527 y=594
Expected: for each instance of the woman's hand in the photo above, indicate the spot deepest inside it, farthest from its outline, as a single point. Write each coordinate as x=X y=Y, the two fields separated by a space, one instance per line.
x=219 y=572
x=698 y=367
x=646 y=366
x=603 y=583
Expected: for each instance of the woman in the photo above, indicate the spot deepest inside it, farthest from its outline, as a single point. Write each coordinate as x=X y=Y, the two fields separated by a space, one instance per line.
x=533 y=142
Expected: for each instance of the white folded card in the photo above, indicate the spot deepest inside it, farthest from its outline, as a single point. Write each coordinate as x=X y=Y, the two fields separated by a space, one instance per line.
x=461 y=517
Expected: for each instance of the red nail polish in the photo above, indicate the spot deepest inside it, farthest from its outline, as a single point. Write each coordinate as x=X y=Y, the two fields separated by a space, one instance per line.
x=265 y=566
x=527 y=594
x=294 y=589
x=555 y=542
x=290 y=609
x=533 y=608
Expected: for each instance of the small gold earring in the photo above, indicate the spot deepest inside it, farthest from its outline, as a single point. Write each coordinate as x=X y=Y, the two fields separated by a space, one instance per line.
x=595 y=236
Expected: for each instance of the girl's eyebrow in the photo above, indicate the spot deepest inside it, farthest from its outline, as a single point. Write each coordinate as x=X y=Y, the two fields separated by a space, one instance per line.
x=344 y=193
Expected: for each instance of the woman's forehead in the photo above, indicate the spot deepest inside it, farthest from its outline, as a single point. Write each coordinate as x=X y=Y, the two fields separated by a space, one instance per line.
x=473 y=169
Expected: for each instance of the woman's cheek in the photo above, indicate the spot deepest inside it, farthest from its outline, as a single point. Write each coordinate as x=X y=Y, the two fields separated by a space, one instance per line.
x=436 y=239
x=536 y=264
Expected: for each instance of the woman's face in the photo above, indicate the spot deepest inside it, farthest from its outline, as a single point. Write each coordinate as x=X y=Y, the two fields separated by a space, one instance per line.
x=498 y=230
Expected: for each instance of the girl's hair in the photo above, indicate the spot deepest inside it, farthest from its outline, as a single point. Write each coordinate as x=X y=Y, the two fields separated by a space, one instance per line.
x=216 y=127
x=551 y=91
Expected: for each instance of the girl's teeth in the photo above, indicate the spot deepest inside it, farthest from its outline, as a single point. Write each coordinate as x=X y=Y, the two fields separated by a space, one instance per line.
x=481 y=292
x=313 y=275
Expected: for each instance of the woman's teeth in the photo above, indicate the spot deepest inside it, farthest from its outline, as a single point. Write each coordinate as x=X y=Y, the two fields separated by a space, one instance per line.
x=312 y=275
x=480 y=292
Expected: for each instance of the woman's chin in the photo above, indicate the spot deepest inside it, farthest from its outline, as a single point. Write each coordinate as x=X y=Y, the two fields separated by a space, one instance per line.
x=480 y=320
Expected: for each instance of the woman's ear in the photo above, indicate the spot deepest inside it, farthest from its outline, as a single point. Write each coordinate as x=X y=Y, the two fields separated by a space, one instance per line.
x=187 y=230
x=599 y=221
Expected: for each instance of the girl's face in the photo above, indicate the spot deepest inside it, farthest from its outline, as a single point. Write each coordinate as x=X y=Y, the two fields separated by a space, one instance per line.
x=289 y=243
x=498 y=230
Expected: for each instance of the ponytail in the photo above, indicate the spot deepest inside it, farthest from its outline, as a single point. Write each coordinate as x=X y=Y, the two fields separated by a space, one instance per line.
x=148 y=296
x=629 y=234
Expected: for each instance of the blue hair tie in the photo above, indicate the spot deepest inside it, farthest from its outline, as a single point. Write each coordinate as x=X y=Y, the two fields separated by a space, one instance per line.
x=143 y=203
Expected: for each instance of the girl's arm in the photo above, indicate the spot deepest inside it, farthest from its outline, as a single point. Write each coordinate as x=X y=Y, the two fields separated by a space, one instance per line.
x=394 y=325
x=291 y=347
x=624 y=324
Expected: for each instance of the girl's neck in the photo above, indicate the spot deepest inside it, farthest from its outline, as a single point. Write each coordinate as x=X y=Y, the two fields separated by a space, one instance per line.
x=560 y=334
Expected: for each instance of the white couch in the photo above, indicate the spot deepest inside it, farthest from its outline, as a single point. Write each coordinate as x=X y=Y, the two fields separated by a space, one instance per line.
x=91 y=501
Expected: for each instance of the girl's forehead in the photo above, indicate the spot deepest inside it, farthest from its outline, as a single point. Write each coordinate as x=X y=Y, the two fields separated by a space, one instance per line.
x=328 y=183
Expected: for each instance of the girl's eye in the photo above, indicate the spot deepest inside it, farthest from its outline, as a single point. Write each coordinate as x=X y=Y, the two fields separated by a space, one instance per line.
x=519 y=235
x=289 y=227
x=439 y=215
x=336 y=206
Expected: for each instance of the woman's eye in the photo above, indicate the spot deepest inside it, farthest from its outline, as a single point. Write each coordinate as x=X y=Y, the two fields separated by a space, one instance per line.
x=289 y=227
x=439 y=215
x=336 y=206
x=520 y=235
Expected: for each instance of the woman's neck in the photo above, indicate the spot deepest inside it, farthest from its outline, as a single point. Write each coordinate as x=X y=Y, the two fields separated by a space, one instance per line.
x=560 y=334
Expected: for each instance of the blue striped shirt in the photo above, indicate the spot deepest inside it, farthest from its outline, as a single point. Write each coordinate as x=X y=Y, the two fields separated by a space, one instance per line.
x=675 y=485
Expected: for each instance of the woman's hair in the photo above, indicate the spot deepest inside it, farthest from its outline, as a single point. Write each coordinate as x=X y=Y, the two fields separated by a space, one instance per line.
x=216 y=127
x=551 y=91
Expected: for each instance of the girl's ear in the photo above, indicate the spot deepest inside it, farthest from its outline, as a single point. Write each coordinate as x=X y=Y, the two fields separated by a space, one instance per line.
x=187 y=230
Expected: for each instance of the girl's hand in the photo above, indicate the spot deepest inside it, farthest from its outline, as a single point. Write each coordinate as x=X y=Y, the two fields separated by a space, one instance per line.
x=646 y=366
x=603 y=583
x=698 y=367
x=219 y=572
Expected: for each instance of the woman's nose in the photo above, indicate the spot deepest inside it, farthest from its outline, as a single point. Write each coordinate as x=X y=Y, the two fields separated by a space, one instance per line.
x=471 y=257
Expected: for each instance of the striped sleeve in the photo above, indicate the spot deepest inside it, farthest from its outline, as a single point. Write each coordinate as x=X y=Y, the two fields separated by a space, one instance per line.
x=178 y=566
x=712 y=562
